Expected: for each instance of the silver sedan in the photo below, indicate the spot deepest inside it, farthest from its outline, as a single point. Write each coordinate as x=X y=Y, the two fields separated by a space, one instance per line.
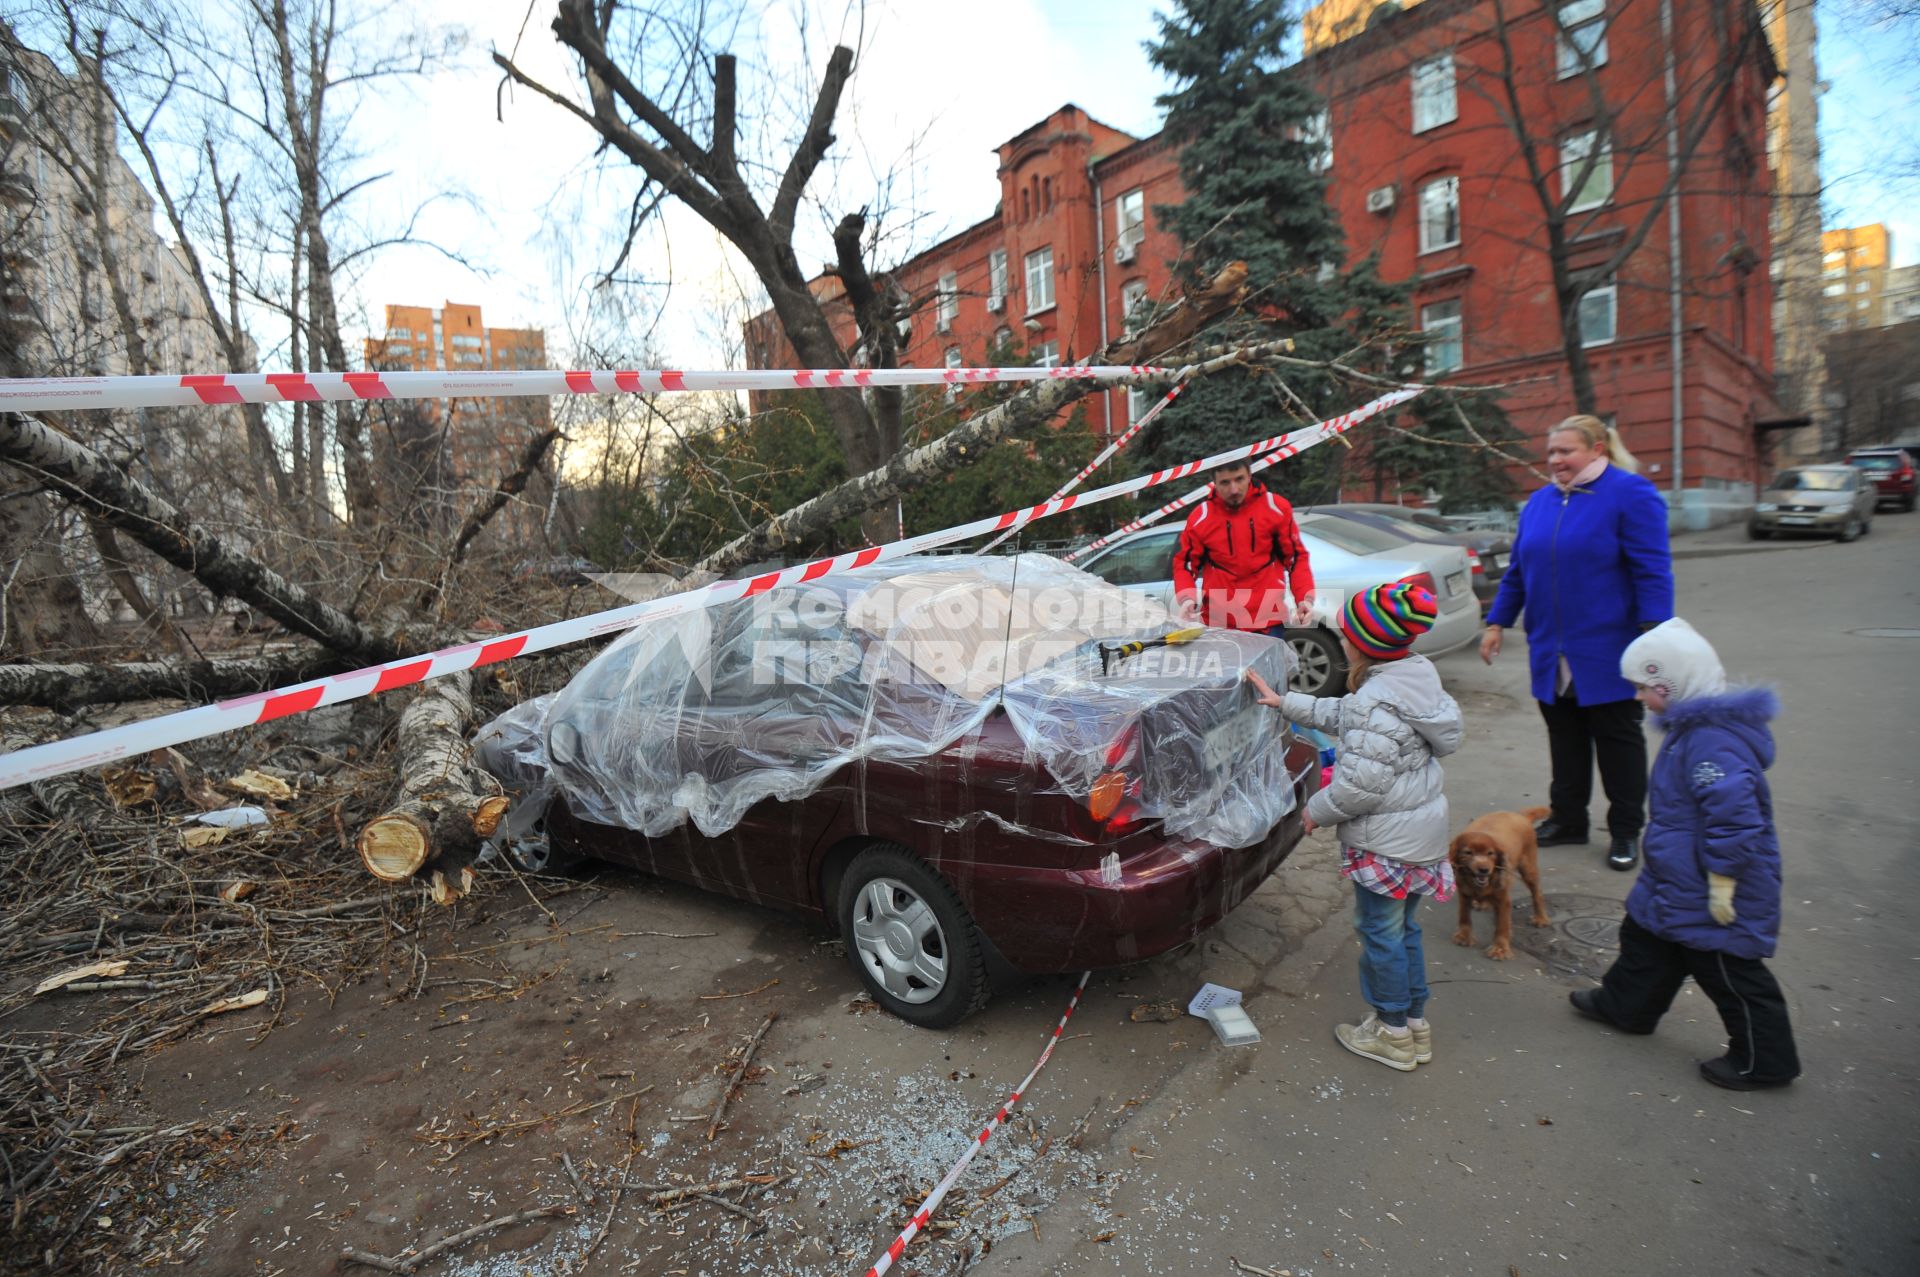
x=1834 y=501
x=1346 y=558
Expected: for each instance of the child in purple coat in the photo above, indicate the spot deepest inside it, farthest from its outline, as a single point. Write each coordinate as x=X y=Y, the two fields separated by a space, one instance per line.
x=1707 y=904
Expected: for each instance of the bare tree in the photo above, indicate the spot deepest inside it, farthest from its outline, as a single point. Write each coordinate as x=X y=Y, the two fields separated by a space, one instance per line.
x=659 y=135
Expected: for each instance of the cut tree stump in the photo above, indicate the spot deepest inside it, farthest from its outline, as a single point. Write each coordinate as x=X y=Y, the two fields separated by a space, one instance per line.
x=446 y=806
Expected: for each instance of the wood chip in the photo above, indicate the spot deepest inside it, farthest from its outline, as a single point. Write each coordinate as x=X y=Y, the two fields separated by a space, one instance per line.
x=237 y=890
x=194 y=837
x=108 y=969
x=239 y=1002
x=257 y=784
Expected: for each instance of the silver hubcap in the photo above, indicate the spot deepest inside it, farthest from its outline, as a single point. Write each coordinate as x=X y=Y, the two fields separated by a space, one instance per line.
x=899 y=941
x=1315 y=666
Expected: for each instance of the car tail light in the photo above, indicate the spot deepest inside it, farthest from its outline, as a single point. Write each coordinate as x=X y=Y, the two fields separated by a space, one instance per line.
x=1422 y=579
x=1126 y=818
x=1105 y=797
x=1473 y=560
x=1122 y=747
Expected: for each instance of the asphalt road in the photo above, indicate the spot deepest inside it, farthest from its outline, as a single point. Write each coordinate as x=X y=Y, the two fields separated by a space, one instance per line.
x=1537 y=1142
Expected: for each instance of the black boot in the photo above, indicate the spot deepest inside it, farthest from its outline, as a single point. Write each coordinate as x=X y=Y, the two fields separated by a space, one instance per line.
x=1624 y=854
x=1553 y=832
x=1724 y=1072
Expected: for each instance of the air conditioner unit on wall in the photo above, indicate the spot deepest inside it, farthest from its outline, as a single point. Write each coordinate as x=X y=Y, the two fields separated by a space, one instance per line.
x=1124 y=250
x=1380 y=199
x=996 y=303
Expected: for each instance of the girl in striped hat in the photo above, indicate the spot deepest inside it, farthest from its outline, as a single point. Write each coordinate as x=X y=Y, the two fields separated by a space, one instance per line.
x=1387 y=806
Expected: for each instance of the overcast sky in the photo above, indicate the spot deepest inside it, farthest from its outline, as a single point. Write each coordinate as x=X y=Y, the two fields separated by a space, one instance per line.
x=940 y=85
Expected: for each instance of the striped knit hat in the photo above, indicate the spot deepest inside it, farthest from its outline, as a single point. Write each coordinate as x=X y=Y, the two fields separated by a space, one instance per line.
x=1383 y=622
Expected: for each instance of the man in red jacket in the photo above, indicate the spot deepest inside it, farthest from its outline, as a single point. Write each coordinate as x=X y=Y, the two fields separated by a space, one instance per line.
x=1243 y=543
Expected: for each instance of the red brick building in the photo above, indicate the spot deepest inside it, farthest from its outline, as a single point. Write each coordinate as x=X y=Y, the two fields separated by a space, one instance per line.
x=1424 y=168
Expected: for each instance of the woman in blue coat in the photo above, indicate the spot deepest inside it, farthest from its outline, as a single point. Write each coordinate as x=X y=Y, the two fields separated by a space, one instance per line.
x=1591 y=571
x=1708 y=903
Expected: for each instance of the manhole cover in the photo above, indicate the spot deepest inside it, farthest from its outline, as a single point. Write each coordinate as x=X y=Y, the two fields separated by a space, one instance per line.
x=1886 y=631
x=1583 y=937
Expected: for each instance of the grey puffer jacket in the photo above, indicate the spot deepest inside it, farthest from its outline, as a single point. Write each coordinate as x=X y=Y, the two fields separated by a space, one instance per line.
x=1388 y=794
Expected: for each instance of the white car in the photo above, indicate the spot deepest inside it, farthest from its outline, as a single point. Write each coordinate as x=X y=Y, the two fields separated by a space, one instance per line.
x=1347 y=557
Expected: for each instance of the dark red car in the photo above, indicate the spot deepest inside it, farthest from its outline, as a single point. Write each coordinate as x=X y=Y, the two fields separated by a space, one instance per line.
x=1080 y=812
x=1892 y=472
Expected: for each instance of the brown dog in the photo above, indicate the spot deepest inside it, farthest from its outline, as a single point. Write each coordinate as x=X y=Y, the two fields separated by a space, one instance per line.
x=1485 y=856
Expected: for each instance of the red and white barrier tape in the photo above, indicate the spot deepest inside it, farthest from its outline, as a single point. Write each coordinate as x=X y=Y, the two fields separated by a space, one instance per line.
x=1291 y=445
x=96 y=748
x=931 y=1206
x=46 y=394
x=1146 y=418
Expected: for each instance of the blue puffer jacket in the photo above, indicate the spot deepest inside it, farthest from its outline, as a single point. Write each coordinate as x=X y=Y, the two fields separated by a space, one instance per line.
x=1711 y=812
x=1590 y=569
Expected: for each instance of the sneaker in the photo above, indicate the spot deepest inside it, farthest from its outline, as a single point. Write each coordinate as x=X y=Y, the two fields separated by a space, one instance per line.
x=1552 y=832
x=1723 y=1072
x=1376 y=1041
x=1422 y=1041
x=1624 y=854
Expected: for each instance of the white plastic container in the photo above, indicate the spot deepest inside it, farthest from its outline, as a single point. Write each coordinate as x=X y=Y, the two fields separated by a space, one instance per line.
x=1210 y=996
x=1232 y=1025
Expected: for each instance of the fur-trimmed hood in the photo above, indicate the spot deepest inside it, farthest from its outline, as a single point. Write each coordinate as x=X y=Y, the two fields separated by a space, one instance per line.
x=1742 y=711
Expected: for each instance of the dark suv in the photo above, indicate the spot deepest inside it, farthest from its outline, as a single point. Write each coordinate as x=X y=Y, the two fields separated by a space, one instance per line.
x=1892 y=472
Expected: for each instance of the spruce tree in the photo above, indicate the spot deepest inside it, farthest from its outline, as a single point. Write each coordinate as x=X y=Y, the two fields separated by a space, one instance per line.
x=1249 y=161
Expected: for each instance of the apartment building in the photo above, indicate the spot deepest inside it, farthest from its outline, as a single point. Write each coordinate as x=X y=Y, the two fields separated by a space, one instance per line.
x=478 y=440
x=1422 y=171
x=1855 y=265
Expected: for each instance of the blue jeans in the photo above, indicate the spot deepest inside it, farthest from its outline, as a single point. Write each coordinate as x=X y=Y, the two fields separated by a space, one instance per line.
x=1393 y=966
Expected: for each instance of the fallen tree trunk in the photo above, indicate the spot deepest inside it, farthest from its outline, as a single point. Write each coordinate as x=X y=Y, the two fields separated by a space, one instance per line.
x=445 y=807
x=63 y=687
x=101 y=488
x=74 y=800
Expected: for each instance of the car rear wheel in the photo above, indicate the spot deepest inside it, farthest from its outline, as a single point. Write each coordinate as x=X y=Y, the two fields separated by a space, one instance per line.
x=910 y=939
x=1757 y=534
x=1322 y=666
x=1850 y=531
x=536 y=854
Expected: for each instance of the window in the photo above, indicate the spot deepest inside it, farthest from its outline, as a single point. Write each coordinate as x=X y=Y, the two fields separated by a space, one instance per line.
x=1433 y=100
x=1440 y=323
x=1440 y=214
x=1598 y=318
x=947 y=302
x=1317 y=133
x=1139 y=562
x=953 y=361
x=1597 y=189
x=1582 y=42
x=1836 y=289
x=1138 y=401
x=1047 y=355
x=1130 y=218
x=1860 y=287
x=1002 y=339
x=1133 y=306
x=1046 y=194
x=997 y=279
x=1040 y=281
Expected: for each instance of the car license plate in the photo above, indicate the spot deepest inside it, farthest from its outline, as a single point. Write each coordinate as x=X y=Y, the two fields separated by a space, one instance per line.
x=1796 y=518
x=1225 y=747
x=1456 y=582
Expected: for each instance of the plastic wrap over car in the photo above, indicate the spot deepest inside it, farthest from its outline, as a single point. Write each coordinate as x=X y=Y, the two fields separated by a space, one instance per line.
x=698 y=717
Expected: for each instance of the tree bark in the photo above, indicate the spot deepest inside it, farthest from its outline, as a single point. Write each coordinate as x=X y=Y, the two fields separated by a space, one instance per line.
x=64 y=687
x=100 y=488
x=445 y=806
